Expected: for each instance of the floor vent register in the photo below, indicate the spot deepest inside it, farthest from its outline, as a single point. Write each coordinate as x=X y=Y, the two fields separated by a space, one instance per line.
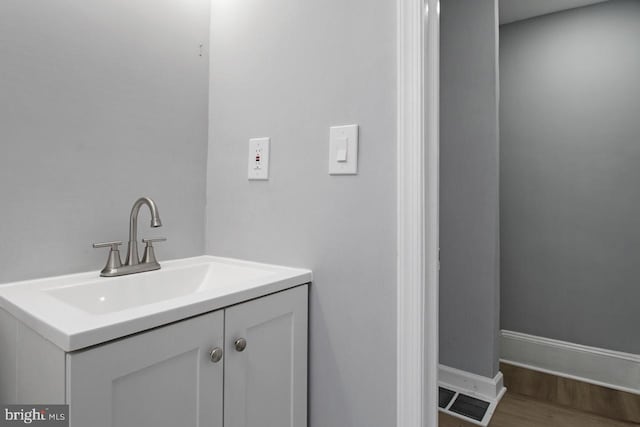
x=462 y=405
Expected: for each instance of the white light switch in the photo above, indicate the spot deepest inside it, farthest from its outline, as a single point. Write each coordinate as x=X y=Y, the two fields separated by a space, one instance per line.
x=343 y=150
x=259 y=158
x=341 y=154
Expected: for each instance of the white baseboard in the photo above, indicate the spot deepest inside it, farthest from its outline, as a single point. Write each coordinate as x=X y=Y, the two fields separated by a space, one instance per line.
x=612 y=369
x=475 y=385
x=488 y=389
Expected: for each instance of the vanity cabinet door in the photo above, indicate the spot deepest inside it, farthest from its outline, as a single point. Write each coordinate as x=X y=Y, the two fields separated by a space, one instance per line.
x=161 y=378
x=266 y=381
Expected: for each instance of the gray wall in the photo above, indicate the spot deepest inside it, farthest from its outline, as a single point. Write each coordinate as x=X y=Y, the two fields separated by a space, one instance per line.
x=100 y=102
x=570 y=130
x=469 y=229
x=289 y=69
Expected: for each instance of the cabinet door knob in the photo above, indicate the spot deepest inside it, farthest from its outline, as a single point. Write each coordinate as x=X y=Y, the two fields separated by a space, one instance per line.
x=240 y=344
x=216 y=355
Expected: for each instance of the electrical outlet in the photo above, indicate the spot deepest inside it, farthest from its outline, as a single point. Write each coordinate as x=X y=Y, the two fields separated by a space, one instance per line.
x=259 y=158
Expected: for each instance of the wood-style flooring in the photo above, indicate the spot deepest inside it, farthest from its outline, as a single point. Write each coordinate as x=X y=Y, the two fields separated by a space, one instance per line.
x=521 y=411
x=570 y=393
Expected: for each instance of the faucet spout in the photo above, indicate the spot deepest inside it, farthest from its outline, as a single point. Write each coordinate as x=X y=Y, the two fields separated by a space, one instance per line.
x=133 y=258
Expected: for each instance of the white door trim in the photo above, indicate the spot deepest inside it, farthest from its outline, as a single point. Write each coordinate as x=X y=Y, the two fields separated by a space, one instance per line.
x=417 y=210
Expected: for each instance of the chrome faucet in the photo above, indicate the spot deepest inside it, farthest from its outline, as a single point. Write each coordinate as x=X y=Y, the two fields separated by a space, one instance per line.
x=132 y=263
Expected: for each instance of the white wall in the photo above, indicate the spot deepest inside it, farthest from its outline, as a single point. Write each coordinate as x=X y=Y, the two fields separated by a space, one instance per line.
x=100 y=102
x=469 y=204
x=289 y=69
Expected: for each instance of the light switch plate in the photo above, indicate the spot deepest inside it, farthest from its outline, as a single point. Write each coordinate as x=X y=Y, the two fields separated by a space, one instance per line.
x=343 y=150
x=259 y=158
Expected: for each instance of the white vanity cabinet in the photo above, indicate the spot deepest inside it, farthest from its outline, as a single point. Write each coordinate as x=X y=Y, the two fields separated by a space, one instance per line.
x=166 y=377
x=266 y=383
x=163 y=377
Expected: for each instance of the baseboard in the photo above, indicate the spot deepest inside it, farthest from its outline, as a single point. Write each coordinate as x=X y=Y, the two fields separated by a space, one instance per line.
x=612 y=369
x=473 y=384
x=484 y=388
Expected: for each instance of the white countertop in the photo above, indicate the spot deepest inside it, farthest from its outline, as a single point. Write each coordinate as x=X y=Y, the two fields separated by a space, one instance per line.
x=82 y=310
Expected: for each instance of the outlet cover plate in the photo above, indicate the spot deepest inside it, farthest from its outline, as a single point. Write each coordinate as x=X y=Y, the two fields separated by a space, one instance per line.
x=259 y=159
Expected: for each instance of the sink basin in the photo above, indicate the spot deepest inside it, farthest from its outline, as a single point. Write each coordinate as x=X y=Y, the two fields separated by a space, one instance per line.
x=103 y=295
x=81 y=310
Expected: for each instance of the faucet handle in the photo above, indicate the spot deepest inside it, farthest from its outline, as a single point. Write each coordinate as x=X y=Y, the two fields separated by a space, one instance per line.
x=113 y=262
x=150 y=242
x=113 y=245
x=149 y=253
